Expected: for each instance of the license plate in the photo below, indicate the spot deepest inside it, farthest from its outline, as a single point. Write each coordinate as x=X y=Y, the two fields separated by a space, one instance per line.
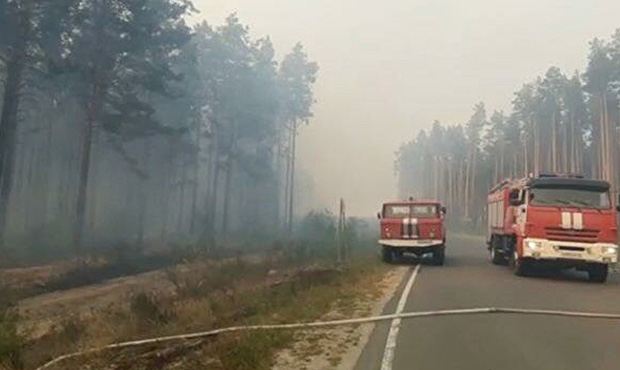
x=571 y=254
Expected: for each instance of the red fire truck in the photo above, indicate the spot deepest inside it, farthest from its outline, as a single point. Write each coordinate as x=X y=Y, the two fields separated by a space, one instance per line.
x=553 y=221
x=412 y=226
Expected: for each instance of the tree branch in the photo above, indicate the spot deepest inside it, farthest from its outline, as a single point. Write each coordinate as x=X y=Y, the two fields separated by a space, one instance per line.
x=131 y=162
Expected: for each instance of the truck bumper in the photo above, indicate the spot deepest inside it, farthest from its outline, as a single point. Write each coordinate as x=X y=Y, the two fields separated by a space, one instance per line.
x=544 y=249
x=410 y=243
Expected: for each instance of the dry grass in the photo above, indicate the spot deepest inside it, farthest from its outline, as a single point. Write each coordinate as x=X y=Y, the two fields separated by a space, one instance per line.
x=206 y=295
x=10 y=341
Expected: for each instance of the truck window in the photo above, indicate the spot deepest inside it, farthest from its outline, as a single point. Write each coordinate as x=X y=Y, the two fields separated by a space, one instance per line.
x=406 y=211
x=582 y=198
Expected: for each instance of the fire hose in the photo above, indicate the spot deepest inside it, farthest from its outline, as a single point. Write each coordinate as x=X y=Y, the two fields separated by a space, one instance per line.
x=320 y=324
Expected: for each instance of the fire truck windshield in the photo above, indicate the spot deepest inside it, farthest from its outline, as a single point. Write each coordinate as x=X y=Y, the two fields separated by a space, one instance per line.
x=582 y=198
x=406 y=211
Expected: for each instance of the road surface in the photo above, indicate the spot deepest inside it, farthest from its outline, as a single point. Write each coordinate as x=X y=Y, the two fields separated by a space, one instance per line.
x=498 y=341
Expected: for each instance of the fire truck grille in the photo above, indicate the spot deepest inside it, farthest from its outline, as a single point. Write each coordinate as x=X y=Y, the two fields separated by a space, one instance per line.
x=584 y=236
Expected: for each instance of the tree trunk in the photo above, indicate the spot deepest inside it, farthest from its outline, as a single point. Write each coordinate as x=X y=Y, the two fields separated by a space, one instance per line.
x=196 y=179
x=537 y=154
x=47 y=164
x=461 y=183
x=210 y=207
x=572 y=149
x=473 y=179
x=467 y=182
x=502 y=154
x=601 y=146
x=608 y=148
x=227 y=192
x=278 y=182
x=287 y=180
x=146 y=154
x=292 y=179
x=8 y=130
x=181 y=207
x=450 y=186
x=496 y=170
x=526 y=158
x=554 y=144
x=92 y=114
x=10 y=108
x=565 y=160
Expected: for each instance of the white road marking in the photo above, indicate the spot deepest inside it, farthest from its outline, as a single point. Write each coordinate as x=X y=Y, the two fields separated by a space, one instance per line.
x=390 y=344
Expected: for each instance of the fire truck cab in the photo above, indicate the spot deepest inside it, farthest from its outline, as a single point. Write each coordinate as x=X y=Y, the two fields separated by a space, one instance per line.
x=553 y=221
x=412 y=226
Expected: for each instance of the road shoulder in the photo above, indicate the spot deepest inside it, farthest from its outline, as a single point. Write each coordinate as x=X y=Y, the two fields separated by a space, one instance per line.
x=342 y=347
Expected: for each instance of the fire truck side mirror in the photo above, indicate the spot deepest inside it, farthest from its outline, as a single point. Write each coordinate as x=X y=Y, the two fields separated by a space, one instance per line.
x=378 y=215
x=444 y=210
x=515 y=198
x=618 y=204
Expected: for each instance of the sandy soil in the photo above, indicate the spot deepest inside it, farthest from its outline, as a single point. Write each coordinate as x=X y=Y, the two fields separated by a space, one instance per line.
x=340 y=347
x=40 y=313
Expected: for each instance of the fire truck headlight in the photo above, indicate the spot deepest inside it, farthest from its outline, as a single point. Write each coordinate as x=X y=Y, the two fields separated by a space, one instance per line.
x=610 y=250
x=534 y=246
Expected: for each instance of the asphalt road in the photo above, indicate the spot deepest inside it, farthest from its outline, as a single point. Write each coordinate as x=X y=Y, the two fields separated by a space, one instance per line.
x=495 y=342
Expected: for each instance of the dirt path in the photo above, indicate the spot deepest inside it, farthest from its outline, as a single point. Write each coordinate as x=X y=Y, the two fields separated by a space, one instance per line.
x=33 y=276
x=40 y=313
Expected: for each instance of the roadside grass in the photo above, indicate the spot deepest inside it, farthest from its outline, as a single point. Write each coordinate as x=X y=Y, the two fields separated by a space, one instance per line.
x=10 y=340
x=208 y=296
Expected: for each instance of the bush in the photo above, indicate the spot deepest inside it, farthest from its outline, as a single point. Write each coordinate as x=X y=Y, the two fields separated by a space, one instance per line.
x=315 y=236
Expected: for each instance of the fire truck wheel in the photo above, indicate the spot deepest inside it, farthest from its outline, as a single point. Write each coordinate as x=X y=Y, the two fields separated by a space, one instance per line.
x=518 y=265
x=387 y=255
x=439 y=256
x=496 y=258
x=598 y=273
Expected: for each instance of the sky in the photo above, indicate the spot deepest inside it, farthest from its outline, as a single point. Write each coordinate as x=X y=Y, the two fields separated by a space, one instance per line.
x=390 y=68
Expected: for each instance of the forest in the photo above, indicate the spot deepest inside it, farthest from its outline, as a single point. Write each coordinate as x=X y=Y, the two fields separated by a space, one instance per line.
x=559 y=123
x=124 y=123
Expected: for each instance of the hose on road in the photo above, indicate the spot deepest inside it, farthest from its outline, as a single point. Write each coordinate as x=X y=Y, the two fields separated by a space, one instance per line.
x=319 y=324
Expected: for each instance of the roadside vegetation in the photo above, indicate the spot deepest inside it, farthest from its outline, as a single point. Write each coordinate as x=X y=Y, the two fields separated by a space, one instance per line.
x=10 y=341
x=137 y=296
x=147 y=180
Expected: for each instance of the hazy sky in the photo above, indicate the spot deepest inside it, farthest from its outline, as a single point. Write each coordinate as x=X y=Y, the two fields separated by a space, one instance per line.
x=389 y=68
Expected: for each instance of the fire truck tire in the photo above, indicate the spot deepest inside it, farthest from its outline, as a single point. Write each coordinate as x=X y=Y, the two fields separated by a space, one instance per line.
x=598 y=273
x=439 y=256
x=387 y=255
x=496 y=258
x=519 y=266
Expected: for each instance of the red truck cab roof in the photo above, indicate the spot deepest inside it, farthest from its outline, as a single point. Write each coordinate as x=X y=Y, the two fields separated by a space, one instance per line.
x=412 y=201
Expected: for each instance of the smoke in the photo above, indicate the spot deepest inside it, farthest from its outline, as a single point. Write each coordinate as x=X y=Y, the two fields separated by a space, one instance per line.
x=388 y=69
